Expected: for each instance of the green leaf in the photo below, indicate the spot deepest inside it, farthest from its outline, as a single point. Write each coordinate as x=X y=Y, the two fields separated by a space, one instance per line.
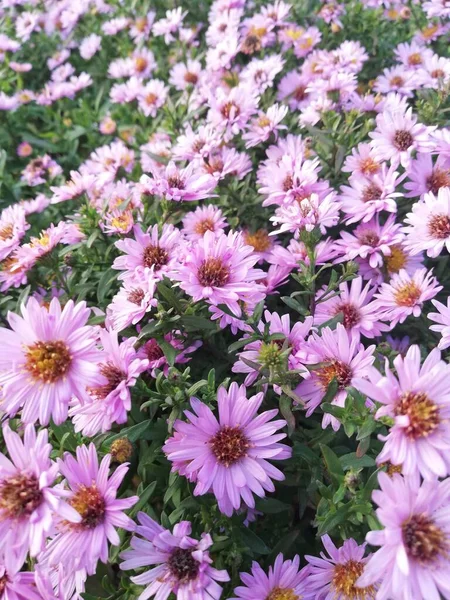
x=168 y=294
x=367 y=428
x=169 y=351
x=194 y=323
x=254 y=542
x=144 y=497
x=285 y=544
x=331 y=391
x=104 y=284
x=334 y=519
x=294 y=304
x=141 y=431
x=351 y=461
x=286 y=411
x=332 y=461
x=271 y=506
x=332 y=322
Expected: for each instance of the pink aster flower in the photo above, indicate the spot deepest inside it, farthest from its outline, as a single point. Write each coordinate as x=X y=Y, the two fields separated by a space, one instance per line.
x=133 y=301
x=185 y=75
x=442 y=318
x=109 y=402
x=27 y=500
x=220 y=269
x=396 y=136
x=371 y=241
x=334 y=577
x=93 y=495
x=405 y=294
x=153 y=352
x=413 y=562
x=13 y=225
x=204 y=218
x=46 y=356
x=266 y=124
x=75 y=187
x=16 y=584
x=150 y=250
x=89 y=46
x=227 y=161
x=179 y=185
x=183 y=566
x=293 y=89
x=354 y=303
x=231 y=111
x=229 y=456
x=24 y=149
x=268 y=354
x=428 y=225
x=367 y=196
x=307 y=213
x=424 y=176
x=361 y=162
x=343 y=358
x=170 y=24
x=40 y=169
x=284 y=580
x=398 y=79
x=418 y=400
x=151 y=97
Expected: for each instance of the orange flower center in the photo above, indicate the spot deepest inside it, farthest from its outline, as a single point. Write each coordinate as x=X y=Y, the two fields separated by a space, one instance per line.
x=89 y=502
x=423 y=414
x=213 y=273
x=344 y=579
x=48 y=361
x=408 y=294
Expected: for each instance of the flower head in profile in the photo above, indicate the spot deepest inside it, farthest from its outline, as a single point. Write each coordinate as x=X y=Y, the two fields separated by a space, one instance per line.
x=93 y=495
x=335 y=576
x=418 y=400
x=442 y=318
x=13 y=226
x=428 y=225
x=229 y=456
x=47 y=356
x=109 y=402
x=284 y=581
x=413 y=559
x=220 y=269
x=342 y=358
x=180 y=564
x=405 y=294
x=27 y=500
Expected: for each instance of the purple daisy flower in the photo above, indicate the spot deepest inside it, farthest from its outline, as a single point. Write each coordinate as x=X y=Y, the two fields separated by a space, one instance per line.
x=220 y=270
x=229 y=456
x=418 y=400
x=342 y=358
x=413 y=561
x=151 y=250
x=27 y=500
x=46 y=357
x=16 y=584
x=179 y=185
x=405 y=294
x=354 y=303
x=110 y=401
x=93 y=495
x=334 y=577
x=442 y=320
x=284 y=581
x=183 y=565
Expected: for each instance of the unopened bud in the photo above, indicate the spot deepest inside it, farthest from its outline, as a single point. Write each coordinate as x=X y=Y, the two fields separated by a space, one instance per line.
x=121 y=450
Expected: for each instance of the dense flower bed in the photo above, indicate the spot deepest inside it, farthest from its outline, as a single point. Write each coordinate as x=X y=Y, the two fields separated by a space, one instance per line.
x=224 y=266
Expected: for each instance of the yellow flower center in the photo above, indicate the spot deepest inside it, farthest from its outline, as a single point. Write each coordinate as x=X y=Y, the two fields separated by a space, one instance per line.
x=48 y=361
